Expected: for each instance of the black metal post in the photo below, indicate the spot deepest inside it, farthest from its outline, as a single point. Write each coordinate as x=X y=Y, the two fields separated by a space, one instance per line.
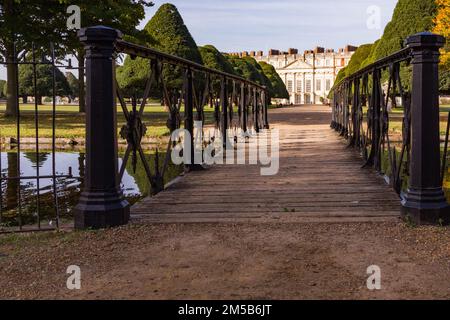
x=189 y=119
x=424 y=201
x=224 y=101
x=256 y=111
x=345 y=106
x=266 y=101
x=333 y=110
x=244 y=107
x=101 y=203
x=355 y=119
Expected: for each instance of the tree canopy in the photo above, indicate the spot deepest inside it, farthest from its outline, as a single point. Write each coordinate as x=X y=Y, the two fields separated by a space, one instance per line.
x=410 y=17
x=23 y=22
x=73 y=84
x=170 y=35
x=123 y=15
x=212 y=58
x=248 y=68
x=261 y=73
x=442 y=27
x=355 y=64
x=44 y=80
x=44 y=21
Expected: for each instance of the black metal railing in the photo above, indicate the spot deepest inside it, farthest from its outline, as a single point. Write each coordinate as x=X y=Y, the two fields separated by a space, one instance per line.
x=394 y=123
x=23 y=208
x=101 y=203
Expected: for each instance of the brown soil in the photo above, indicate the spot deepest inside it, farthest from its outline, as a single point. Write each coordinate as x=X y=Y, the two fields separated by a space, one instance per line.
x=230 y=261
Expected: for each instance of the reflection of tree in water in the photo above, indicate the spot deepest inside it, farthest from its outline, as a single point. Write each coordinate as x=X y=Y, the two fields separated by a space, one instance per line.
x=67 y=192
x=140 y=176
x=10 y=194
x=11 y=185
x=35 y=159
x=68 y=189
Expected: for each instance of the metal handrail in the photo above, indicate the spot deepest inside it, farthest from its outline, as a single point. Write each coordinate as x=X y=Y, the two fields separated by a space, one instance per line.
x=133 y=49
x=399 y=56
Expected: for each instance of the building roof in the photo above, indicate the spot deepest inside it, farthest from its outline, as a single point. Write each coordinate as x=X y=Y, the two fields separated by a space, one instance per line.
x=297 y=64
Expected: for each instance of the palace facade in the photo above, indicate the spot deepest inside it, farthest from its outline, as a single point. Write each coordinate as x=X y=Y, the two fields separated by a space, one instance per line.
x=309 y=76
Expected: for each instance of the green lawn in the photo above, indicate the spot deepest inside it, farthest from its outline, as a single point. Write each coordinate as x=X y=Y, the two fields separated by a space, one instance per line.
x=396 y=118
x=71 y=124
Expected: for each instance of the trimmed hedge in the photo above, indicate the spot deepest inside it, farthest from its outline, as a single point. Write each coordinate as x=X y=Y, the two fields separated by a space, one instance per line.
x=278 y=87
x=212 y=58
x=170 y=35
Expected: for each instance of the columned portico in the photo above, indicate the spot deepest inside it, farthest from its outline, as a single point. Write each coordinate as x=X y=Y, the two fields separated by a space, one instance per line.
x=309 y=77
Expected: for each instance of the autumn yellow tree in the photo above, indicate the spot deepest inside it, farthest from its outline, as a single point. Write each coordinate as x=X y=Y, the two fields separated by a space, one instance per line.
x=442 y=27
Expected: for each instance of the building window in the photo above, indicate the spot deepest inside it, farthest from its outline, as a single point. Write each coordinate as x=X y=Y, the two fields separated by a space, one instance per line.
x=328 y=85
x=328 y=62
x=308 y=85
x=298 y=99
x=289 y=85
x=318 y=85
x=299 y=86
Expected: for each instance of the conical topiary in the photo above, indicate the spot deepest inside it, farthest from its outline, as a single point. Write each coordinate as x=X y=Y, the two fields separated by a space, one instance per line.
x=170 y=35
x=212 y=58
x=278 y=87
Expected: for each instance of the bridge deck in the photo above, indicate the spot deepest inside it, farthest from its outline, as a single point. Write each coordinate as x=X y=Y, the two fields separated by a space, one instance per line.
x=319 y=179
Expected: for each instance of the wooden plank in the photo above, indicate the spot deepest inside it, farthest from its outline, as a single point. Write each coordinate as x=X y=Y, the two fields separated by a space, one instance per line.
x=319 y=179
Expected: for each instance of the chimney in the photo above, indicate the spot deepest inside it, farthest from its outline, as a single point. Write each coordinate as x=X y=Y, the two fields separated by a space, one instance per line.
x=292 y=51
x=274 y=52
x=319 y=50
x=349 y=48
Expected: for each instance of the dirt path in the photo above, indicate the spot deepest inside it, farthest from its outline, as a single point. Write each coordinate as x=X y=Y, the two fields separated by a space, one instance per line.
x=317 y=251
x=231 y=261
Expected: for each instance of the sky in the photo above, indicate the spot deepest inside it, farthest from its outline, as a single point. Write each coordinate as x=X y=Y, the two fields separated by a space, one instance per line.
x=245 y=25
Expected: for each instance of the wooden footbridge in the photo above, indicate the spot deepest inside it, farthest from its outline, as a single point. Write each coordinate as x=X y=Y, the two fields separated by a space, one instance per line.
x=323 y=174
x=319 y=179
x=356 y=159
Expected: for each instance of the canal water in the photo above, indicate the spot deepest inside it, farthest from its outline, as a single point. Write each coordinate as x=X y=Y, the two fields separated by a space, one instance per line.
x=134 y=184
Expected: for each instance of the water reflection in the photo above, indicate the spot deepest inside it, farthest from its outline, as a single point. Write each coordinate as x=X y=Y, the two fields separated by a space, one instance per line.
x=135 y=185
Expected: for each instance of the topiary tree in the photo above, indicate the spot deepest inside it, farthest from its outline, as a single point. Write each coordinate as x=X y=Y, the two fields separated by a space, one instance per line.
x=212 y=58
x=74 y=85
x=171 y=36
x=360 y=56
x=410 y=17
x=250 y=69
x=278 y=87
x=44 y=77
